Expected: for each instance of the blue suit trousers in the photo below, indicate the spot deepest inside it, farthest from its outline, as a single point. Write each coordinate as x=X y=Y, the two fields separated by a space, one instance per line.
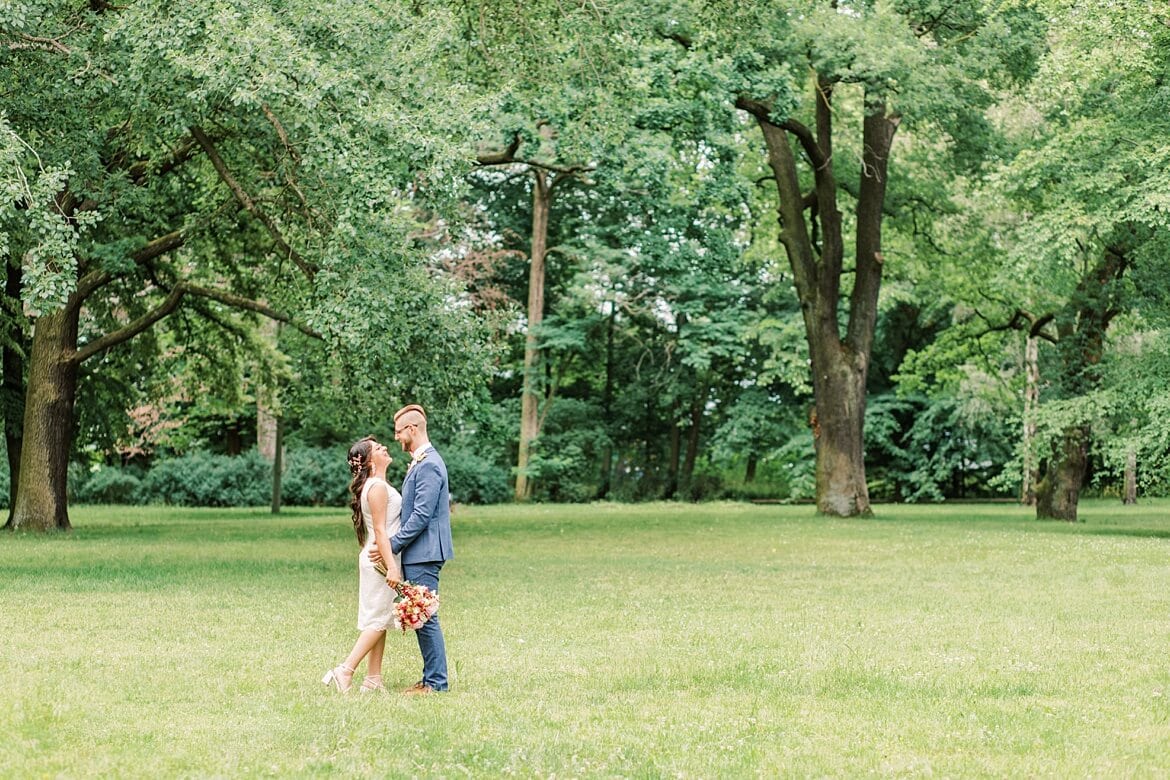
x=430 y=636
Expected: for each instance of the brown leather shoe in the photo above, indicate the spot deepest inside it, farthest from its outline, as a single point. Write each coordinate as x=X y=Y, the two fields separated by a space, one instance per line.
x=418 y=688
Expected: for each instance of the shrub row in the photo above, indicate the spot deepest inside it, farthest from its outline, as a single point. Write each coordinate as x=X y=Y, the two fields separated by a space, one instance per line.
x=312 y=477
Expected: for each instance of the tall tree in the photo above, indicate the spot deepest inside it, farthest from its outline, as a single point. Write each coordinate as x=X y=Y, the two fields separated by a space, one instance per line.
x=546 y=177
x=1090 y=185
x=245 y=160
x=836 y=80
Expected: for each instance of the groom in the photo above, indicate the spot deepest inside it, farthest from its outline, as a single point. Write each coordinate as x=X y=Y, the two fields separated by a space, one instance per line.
x=424 y=538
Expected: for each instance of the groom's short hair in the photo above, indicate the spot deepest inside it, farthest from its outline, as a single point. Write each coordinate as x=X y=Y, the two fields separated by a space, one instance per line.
x=411 y=408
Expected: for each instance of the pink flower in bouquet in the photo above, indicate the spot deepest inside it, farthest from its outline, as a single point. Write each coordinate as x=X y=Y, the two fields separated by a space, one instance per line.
x=415 y=605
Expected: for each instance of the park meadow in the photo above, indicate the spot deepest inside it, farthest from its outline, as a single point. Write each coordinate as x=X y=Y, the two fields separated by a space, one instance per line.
x=655 y=640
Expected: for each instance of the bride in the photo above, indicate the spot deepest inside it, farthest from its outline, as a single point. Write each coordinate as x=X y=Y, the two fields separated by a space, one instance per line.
x=377 y=509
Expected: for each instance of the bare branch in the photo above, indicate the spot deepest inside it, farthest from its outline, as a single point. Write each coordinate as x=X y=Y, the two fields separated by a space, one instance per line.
x=37 y=43
x=1020 y=320
x=131 y=329
x=280 y=131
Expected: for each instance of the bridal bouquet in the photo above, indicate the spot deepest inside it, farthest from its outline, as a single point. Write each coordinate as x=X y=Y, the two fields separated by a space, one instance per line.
x=415 y=605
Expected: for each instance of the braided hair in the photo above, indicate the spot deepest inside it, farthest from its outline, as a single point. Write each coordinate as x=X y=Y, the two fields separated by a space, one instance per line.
x=360 y=466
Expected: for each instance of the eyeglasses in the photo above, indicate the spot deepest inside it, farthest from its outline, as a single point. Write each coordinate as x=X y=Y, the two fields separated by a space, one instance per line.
x=404 y=427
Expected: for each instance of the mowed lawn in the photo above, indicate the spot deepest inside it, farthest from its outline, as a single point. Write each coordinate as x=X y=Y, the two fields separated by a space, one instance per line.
x=663 y=640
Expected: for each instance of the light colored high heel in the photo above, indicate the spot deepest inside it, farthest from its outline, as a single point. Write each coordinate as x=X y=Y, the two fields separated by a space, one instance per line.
x=332 y=677
x=373 y=682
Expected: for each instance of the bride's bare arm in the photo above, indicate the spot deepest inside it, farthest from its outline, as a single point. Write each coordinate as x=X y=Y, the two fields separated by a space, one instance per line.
x=378 y=498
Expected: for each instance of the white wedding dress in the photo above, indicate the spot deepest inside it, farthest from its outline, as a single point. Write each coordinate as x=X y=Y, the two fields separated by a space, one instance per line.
x=375 y=597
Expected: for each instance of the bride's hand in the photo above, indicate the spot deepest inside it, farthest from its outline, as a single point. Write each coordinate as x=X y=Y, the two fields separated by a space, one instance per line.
x=376 y=556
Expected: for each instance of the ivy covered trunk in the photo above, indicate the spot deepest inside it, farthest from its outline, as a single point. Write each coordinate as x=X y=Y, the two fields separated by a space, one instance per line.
x=1058 y=492
x=48 y=424
x=1081 y=326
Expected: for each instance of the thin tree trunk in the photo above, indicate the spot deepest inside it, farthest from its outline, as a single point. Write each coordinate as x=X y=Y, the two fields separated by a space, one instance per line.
x=12 y=390
x=1130 y=496
x=693 y=431
x=1031 y=396
x=749 y=475
x=277 y=464
x=267 y=420
x=607 y=405
x=41 y=500
x=674 y=456
x=529 y=397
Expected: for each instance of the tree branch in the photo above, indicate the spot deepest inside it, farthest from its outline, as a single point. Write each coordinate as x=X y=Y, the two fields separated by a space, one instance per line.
x=249 y=205
x=500 y=158
x=37 y=43
x=240 y=302
x=94 y=280
x=1020 y=320
x=763 y=113
x=183 y=152
x=168 y=306
x=131 y=329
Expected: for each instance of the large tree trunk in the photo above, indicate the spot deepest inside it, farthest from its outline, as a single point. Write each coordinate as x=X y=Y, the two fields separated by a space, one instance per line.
x=1058 y=493
x=41 y=499
x=838 y=433
x=815 y=250
x=529 y=397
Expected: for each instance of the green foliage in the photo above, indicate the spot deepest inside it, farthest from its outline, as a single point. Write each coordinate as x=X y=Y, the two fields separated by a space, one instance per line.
x=939 y=447
x=205 y=479
x=565 y=457
x=314 y=476
x=110 y=485
x=475 y=479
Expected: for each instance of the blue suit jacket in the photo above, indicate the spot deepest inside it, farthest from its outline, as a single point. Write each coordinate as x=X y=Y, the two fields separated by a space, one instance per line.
x=425 y=533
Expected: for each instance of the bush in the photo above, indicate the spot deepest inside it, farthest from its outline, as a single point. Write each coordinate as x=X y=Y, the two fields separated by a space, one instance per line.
x=109 y=485
x=475 y=480
x=204 y=479
x=315 y=476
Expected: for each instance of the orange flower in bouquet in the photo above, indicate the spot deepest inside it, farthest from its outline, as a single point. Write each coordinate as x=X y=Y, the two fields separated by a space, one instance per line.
x=415 y=605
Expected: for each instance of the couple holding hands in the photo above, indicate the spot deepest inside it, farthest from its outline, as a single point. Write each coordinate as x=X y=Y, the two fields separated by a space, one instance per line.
x=407 y=536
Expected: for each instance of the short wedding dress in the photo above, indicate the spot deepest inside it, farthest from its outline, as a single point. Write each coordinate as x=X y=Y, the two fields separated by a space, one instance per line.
x=375 y=597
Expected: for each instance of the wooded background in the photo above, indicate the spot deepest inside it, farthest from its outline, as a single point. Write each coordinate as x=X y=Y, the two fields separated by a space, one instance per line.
x=828 y=251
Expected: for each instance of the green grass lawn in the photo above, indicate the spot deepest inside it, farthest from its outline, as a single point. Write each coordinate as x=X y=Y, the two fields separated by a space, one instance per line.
x=658 y=640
